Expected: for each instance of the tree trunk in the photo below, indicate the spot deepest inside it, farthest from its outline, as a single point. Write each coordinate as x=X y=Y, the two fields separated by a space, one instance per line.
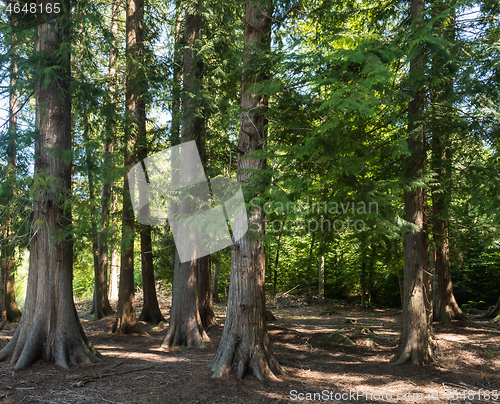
x=245 y=346
x=100 y=295
x=414 y=341
x=50 y=328
x=8 y=304
x=446 y=307
x=103 y=244
x=276 y=263
x=215 y=284
x=175 y=133
x=321 y=268
x=113 y=270
x=126 y=320
x=207 y=314
x=494 y=313
x=185 y=326
x=150 y=308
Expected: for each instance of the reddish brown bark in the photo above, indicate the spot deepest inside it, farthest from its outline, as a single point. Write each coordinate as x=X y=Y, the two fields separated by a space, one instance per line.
x=126 y=320
x=50 y=328
x=244 y=346
x=414 y=341
x=185 y=326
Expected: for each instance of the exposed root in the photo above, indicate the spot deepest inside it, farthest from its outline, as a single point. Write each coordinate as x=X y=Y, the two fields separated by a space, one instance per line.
x=177 y=335
x=242 y=359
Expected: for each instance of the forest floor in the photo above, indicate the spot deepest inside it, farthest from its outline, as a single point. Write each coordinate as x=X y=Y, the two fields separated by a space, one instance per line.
x=135 y=369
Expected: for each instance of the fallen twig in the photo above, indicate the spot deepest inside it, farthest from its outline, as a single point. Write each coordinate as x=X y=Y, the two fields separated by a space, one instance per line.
x=81 y=382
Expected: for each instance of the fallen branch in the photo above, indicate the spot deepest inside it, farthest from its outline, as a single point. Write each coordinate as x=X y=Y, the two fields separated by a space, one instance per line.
x=81 y=382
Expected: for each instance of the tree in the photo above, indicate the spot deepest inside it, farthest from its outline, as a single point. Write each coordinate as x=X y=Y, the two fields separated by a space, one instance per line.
x=245 y=346
x=126 y=321
x=109 y=143
x=414 y=341
x=442 y=123
x=185 y=326
x=8 y=307
x=50 y=328
x=150 y=309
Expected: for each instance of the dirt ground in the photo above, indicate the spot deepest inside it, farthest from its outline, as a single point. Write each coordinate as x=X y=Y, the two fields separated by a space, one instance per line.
x=136 y=370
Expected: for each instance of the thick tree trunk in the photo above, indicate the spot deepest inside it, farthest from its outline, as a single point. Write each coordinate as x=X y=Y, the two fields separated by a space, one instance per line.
x=414 y=341
x=126 y=320
x=245 y=346
x=50 y=328
x=185 y=326
x=205 y=302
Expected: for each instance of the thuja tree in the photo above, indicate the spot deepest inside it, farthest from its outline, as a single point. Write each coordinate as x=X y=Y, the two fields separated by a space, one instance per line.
x=244 y=346
x=50 y=328
x=185 y=326
x=126 y=320
x=414 y=341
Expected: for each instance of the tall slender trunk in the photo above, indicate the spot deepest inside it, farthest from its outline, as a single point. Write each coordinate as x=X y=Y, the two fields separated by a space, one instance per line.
x=185 y=326
x=150 y=308
x=245 y=346
x=50 y=328
x=414 y=341
x=446 y=307
x=215 y=284
x=109 y=142
x=13 y=313
x=126 y=320
x=113 y=270
x=175 y=133
x=276 y=265
x=321 y=268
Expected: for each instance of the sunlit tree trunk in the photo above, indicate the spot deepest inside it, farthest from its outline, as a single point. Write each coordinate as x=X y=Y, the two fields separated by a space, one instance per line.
x=50 y=328
x=109 y=142
x=185 y=326
x=244 y=346
x=414 y=342
x=126 y=320
x=8 y=307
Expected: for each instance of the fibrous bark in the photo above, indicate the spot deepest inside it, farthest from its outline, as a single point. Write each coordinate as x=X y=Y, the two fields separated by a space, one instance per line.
x=244 y=346
x=50 y=328
x=414 y=341
x=150 y=309
x=126 y=320
x=185 y=326
x=205 y=292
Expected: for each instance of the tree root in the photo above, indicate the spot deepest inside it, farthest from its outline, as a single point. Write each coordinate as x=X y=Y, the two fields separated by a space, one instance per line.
x=193 y=337
x=242 y=359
